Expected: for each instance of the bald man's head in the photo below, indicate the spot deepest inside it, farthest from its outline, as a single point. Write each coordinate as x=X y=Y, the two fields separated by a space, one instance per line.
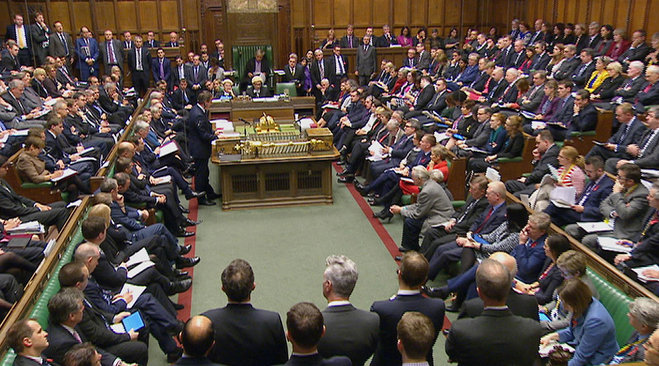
x=126 y=149
x=507 y=260
x=198 y=336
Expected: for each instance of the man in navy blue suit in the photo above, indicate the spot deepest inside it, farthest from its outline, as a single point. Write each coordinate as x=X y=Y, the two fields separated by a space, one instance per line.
x=630 y=132
x=412 y=274
x=587 y=206
x=530 y=253
x=200 y=136
x=28 y=340
x=398 y=150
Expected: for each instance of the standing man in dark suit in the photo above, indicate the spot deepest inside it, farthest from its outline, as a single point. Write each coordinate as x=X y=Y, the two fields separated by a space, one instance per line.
x=151 y=41
x=294 y=73
x=40 y=33
x=139 y=62
x=61 y=44
x=471 y=342
x=20 y=33
x=545 y=154
x=412 y=274
x=339 y=66
x=112 y=52
x=88 y=54
x=178 y=72
x=161 y=67
x=200 y=137
x=305 y=329
x=197 y=337
x=245 y=335
x=320 y=69
x=218 y=54
x=519 y=304
x=28 y=340
x=348 y=331
x=196 y=74
x=366 y=61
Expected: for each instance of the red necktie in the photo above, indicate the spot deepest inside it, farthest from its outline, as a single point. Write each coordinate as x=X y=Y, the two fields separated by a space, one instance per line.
x=480 y=227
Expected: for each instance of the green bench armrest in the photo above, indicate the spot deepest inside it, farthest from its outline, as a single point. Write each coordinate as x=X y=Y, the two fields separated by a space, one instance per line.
x=37 y=185
x=584 y=133
x=509 y=160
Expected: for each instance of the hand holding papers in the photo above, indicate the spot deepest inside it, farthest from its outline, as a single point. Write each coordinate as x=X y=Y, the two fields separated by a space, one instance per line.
x=167 y=148
x=615 y=245
x=68 y=172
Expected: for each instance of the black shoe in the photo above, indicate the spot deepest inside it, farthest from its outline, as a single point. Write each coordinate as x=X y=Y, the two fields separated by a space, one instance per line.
x=189 y=222
x=176 y=287
x=184 y=234
x=403 y=250
x=174 y=356
x=341 y=162
x=178 y=306
x=205 y=202
x=183 y=209
x=346 y=179
x=211 y=197
x=385 y=214
x=398 y=258
x=185 y=249
x=185 y=262
x=179 y=273
x=345 y=173
x=361 y=189
x=436 y=292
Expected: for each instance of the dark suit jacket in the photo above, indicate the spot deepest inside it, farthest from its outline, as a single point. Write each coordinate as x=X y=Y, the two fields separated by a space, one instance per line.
x=633 y=136
x=384 y=42
x=635 y=54
x=349 y=332
x=582 y=73
x=118 y=48
x=262 y=93
x=15 y=104
x=178 y=102
x=10 y=63
x=390 y=312
x=630 y=88
x=424 y=97
x=650 y=157
x=332 y=62
x=167 y=69
x=13 y=205
x=94 y=327
x=251 y=66
x=60 y=341
x=195 y=361
x=11 y=34
x=57 y=48
x=366 y=60
x=424 y=60
x=649 y=97
x=471 y=341
x=540 y=62
x=522 y=305
x=567 y=68
x=133 y=56
x=498 y=216
x=246 y=336
x=344 y=42
x=593 y=42
x=318 y=360
x=202 y=75
x=328 y=71
x=540 y=169
x=297 y=76
x=585 y=120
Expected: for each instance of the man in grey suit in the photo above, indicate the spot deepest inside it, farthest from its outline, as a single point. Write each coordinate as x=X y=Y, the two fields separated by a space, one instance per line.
x=432 y=208
x=112 y=52
x=646 y=153
x=424 y=58
x=471 y=341
x=366 y=61
x=348 y=331
x=61 y=44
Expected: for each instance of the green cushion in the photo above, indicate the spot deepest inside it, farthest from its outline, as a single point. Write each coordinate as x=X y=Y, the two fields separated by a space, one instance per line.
x=457 y=204
x=559 y=144
x=585 y=133
x=509 y=160
x=292 y=91
x=616 y=303
x=37 y=185
x=111 y=172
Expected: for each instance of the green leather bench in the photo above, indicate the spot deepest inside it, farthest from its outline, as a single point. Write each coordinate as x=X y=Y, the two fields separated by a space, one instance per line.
x=281 y=87
x=616 y=303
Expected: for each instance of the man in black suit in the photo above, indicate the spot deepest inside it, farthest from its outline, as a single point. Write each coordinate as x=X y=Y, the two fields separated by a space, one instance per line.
x=139 y=62
x=61 y=44
x=582 y=73
x=66 y=309
x=245 y=335
x=196 y=74
x=173 y=40
x=349 y=40
x=183 y=98
x=424 y=58
x=461 y=221
x=151 y=41
x=366 y=61
x=40 y=34
x=632 y=85
x=218 y=54
x=112 y=52
x=161 y=67
x=638 y=49
x=471 y=341
x=294 y=73
x=320 y=69
x=541 y=58
x=520 y=304
x=305 y=329
x=545 y=154
x=594 y=37
x=412 y=274
x=10 y=59
x=348 y=331
x=416 y=335
x=423 y=99
x=256 y=66
x=178 y=72
x=584 y=114
x=630 y=132
x=13 y=205
x=339 y=66
x=387 y=38
x=257 y=89
x=200 y=136
x=28 y=340
x=645 y=153
x=570 y=64
x=20 y=33
x=197 y=339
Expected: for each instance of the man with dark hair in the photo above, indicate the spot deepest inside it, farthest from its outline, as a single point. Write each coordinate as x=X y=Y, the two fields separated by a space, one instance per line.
x=245 y=335
x=416 y=335
x=82 y=355
x=348 y=331
x=66 y=310
x=200 y=136
x=305 y=329
x=197 y=338
x=544 y=154
x=412 y=274
x=28 y=340
x=471 y=342
x=629 y=133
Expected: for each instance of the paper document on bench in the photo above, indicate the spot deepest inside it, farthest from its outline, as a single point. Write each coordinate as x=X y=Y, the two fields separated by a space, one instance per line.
x=563 y=197
x=139 y=268
x=68 y=172
x=615 y=245
x=135 y=290
x=595 y=227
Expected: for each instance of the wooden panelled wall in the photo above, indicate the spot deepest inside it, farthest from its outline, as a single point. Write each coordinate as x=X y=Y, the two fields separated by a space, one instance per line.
x=626 y=14
x=136 y=16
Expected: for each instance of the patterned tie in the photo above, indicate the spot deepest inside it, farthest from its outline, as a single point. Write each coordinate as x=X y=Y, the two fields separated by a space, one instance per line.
x=66 y=46
x=162 y=70
x=110 y=53
x=20 y=34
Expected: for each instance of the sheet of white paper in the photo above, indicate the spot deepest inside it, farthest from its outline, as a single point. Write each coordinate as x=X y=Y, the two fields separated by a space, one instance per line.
x=139 y=268
x=140 y=256
x=49 y=248
x=492 y=174
x=563 y=197
x=594 y=227
x=640 y=270
x=168 y=148
x=611 y=244
x=74 y=204
x=68 y=172
x=136 y=290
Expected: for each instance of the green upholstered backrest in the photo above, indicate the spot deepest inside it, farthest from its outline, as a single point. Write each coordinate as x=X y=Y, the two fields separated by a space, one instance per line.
x=616 y=303
x=292 y=91
x=242 y=54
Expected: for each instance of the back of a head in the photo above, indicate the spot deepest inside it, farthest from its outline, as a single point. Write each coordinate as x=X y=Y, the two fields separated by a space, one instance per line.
x=63 y=304
x=238 y=280
x=414 y=269
x=416 y=333
x=507 y=260
x=83 y=354
x=198 y=336
x=71 y=274
x=342 y=272
x=493 y=281
x=305 y=324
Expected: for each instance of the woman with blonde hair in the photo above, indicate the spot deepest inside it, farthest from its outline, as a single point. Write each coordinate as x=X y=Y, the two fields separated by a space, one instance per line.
x=569 y=174
x=599 y=75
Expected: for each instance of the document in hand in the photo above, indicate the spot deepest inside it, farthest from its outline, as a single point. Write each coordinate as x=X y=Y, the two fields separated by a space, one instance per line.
x=376 y=151
x=68 y=172
x=135 y=290
x=639 y=271
x=167 y=148
x=563 y=197
x=614 y=244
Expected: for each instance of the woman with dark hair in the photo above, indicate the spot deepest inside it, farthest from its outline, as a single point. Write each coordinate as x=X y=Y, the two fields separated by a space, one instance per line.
x=512 y=146
x=525 y=67
x=547 y=34
x=421 y=36
x=493 y=33
x=405 y=37
x=568 y=32
x=607 y=40
x=559 y=34
x=524 y=32
x=452 y=41
x=550 y=277
x=591 y=332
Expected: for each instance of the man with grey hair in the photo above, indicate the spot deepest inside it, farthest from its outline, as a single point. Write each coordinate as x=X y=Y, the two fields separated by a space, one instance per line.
x=643 y=316
x=349 y=331
x=530 y=253
x=24 y=118
x=632 y=85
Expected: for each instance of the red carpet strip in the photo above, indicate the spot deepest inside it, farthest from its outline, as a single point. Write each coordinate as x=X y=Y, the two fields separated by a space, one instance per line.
x=185 y=298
